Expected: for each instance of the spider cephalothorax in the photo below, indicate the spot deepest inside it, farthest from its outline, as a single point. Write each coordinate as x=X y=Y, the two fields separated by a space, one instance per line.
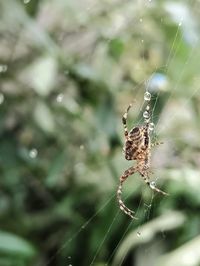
x=137 y=147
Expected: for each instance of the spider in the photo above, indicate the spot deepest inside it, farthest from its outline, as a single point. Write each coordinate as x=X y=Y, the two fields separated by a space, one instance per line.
x=137 y=147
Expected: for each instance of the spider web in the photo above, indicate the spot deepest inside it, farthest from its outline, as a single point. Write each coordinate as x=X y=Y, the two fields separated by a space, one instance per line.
x=145 y=206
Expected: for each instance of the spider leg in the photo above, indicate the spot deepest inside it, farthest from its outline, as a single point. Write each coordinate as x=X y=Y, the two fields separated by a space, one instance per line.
x=122 y=206
x=156 y=143
x=124 y=121
x=152 y=184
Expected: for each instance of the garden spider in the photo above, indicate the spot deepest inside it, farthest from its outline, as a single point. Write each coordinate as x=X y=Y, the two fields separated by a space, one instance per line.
x=137 y=147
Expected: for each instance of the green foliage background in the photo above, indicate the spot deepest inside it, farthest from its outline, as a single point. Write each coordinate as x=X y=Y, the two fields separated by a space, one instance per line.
x=68 y=70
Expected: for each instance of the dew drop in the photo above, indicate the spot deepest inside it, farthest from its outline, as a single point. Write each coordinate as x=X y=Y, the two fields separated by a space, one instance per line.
x=146 y=114
x=70 y=264
x=153 y=184
x=121 y=208
x=140 y=19
x=69 y=257
x=138 y=234
x=59 y=98
x=33 y=153
x=180 y=23
x=1 y=98
x=147 y=96
x=82 y=147
x=151 y=126
x=3 y=68
x=26 y=1
x=148 y=108
x=142 y=41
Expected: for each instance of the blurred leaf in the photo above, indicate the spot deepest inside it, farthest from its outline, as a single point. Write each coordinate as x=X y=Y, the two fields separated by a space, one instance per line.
x=55 y=170
x=36 y=35
x=168 y=221
x=41 y=75
x=116 y=48
x=15 y=245
x=44 y=117
x=185 y=180
x=86 y=72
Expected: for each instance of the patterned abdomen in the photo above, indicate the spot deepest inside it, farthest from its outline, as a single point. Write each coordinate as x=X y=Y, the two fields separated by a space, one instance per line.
x=134 y=144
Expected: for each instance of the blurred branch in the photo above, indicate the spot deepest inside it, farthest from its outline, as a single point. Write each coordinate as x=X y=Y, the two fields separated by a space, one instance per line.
x=168 y=221
x=186 y=255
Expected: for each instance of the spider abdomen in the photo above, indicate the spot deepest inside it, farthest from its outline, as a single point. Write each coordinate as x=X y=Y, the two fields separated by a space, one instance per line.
x=134 y=144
